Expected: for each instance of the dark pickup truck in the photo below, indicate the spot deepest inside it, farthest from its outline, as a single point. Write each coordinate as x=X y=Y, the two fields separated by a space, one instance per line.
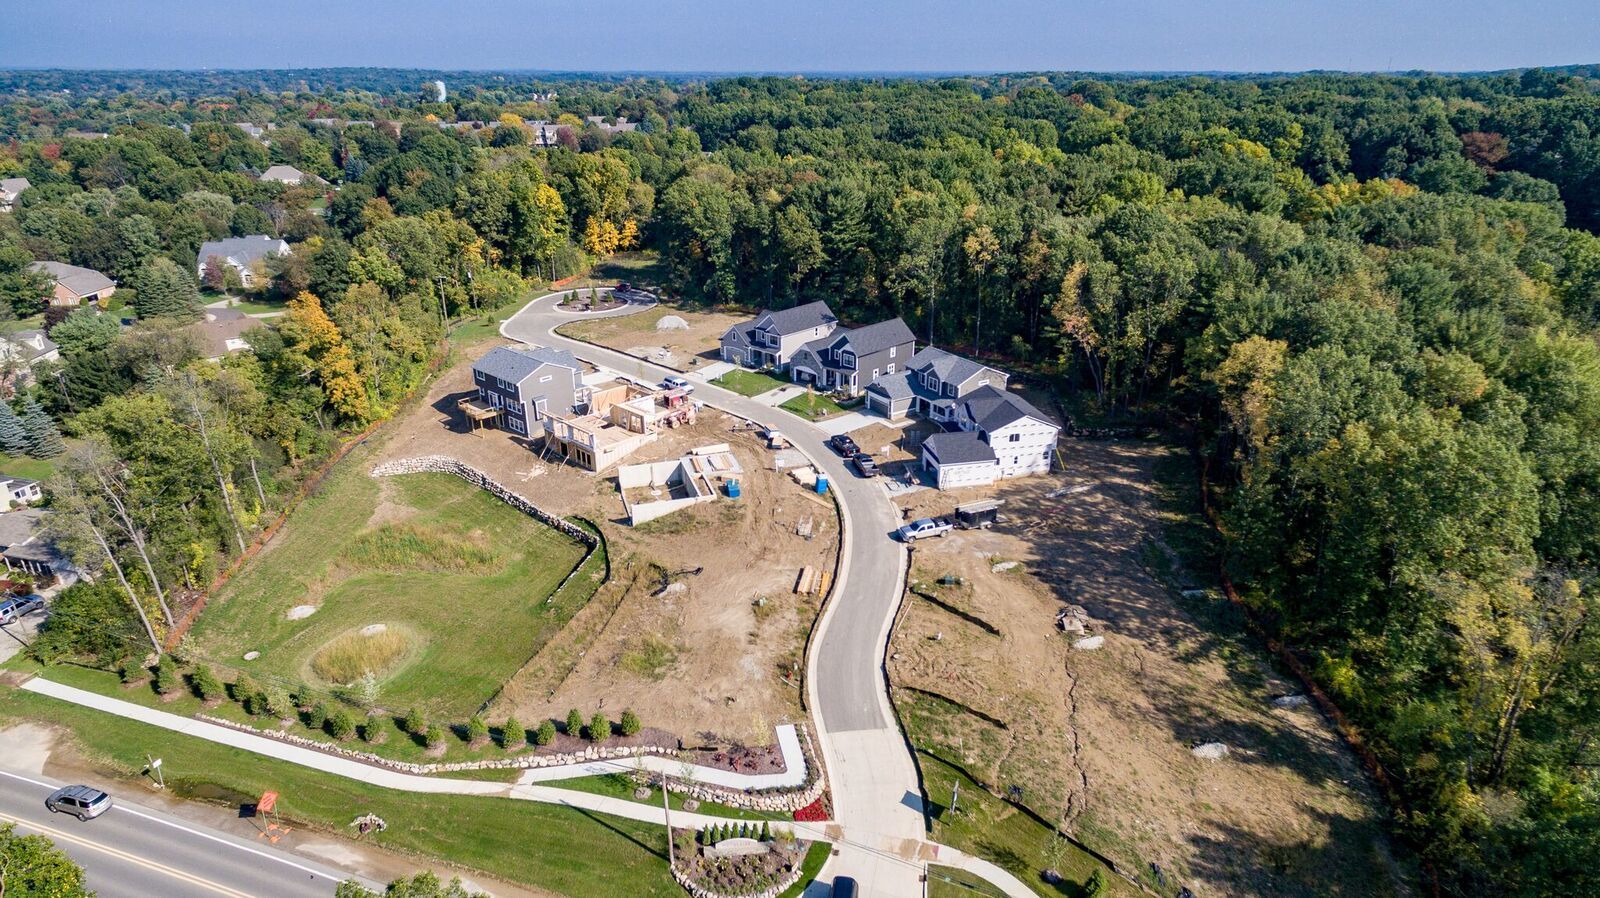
x=842 y=444
x=865 y=464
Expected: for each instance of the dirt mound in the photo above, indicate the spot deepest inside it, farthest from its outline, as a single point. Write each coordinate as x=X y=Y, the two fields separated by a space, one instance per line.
x=671 y=323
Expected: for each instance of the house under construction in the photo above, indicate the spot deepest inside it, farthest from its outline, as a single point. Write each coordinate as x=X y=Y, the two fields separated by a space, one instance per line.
x=620 y=418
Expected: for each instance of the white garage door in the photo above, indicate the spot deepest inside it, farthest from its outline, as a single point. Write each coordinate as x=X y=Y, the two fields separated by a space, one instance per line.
x=955 y=476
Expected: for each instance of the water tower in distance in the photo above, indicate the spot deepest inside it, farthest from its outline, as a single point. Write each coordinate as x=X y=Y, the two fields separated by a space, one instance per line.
x=438 y=92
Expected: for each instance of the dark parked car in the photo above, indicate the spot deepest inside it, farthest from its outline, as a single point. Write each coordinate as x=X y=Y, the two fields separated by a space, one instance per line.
x=865 y=464
x=14 y=608
x=842 y=444
x=844 y=887
x=81 y=802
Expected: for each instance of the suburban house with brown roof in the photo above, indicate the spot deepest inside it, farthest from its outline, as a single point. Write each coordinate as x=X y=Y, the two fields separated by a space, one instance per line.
x=221 y=333
x=72 y=285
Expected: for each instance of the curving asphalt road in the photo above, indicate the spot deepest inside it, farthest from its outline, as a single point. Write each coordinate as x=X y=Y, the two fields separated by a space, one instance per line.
x=874 y=780
x=136 y=852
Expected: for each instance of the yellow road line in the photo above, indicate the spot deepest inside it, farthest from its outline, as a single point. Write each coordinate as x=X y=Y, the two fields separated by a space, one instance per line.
x=62 y=835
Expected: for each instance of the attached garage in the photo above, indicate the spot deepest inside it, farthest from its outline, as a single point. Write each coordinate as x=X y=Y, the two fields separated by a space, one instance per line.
x=959 y=459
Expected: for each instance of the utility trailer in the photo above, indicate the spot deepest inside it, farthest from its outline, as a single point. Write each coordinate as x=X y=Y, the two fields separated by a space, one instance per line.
x=977 y=515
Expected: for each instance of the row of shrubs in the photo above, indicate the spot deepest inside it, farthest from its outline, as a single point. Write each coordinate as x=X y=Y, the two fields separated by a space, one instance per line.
x=338 y=722
x=721 y=832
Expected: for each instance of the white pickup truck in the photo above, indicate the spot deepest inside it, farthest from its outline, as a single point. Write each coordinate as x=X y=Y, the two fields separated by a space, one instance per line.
x=925 y=527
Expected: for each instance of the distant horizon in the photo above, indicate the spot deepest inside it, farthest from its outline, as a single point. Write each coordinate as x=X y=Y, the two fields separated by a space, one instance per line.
x=841 y=37
x=826 y=73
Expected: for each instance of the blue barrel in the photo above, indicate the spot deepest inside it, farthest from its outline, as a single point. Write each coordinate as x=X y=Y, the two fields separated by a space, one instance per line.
x=822 y=484
x=733 y=489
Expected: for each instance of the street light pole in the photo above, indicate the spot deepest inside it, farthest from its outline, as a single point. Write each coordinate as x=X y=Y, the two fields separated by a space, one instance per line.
x=666 y=810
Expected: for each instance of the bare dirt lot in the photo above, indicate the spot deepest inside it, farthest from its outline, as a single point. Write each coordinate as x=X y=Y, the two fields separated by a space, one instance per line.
x=641 y=334
x=1101 y=739
x=713 y=657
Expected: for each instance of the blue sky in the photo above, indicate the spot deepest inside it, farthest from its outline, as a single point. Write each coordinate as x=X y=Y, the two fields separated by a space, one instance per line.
x=803 y=35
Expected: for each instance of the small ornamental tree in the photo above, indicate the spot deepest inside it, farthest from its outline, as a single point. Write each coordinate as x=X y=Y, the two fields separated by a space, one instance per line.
x=415 y=723
x=546 y=733
x=244 y=689
x=275 y=701
x=574 y=722
x=206 y=685
x=435 y=737
x=340 y=725
x=1096 y=885
x=167 y=680
x=477 y=730
x=317 y=717
x=513 y=736
x=629 y=725
x=599 y=728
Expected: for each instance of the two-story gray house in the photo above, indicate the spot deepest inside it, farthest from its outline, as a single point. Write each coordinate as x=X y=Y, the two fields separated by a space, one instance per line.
x=848 y=360
x=772 y=338
x=527 y=384
x=930 y=385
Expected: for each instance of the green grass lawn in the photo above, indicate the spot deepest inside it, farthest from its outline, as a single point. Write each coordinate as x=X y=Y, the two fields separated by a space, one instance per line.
x=461 y=576
x=256 y=307
x=30 y=468
x=816 y=856
x=638 y=268
x=473 y=330
x=748 y=383
x=990 y=828
x=948 y=882
x=574 y=853
x=812 y=405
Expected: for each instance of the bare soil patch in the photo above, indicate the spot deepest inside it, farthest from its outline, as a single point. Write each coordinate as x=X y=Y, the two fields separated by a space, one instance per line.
x=1102 y=740
x=715 y=658
x=638 y=334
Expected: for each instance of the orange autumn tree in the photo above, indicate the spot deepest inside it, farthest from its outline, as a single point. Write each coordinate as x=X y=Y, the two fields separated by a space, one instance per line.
x=308 y=331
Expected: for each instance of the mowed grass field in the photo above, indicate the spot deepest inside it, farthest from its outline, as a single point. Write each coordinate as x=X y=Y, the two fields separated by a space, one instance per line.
x=460 y=583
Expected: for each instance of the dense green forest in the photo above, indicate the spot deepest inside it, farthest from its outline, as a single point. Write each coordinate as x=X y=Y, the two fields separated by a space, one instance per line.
x=1371 y=303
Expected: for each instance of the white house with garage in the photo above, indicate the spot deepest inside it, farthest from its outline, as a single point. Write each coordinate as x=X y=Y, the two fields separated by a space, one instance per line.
x=1000 y=435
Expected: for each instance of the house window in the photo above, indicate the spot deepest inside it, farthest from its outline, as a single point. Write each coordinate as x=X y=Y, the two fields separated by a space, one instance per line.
x=849 y=359
x=890 y=369
x=949 y=389
x=1016 y=437
x=893 y=350
x=547 y=378
x=874 y=374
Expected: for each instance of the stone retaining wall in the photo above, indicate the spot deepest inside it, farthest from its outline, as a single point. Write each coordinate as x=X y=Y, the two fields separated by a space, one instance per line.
x=444 y=464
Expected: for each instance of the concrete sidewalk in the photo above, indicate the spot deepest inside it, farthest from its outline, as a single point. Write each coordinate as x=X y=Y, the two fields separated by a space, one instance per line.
x=885 y=858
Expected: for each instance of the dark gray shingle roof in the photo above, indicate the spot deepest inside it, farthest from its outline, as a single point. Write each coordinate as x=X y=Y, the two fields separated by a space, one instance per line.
x=513 y=365
x=958 y=448
x=878 y=337
x=949 y=367
x=243 y=250
x=896 y=386
x=993 y=409
x=799 y=318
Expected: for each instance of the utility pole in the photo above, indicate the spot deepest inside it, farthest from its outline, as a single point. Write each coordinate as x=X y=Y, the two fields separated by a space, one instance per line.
x=666 y=810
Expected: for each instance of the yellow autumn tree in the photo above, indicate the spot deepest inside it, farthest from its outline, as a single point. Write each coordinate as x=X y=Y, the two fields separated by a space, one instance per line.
x=601 y=237
x=310 y=332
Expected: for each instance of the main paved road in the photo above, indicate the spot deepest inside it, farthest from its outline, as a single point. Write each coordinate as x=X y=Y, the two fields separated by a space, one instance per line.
x=135 y=852
x=874 y=781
